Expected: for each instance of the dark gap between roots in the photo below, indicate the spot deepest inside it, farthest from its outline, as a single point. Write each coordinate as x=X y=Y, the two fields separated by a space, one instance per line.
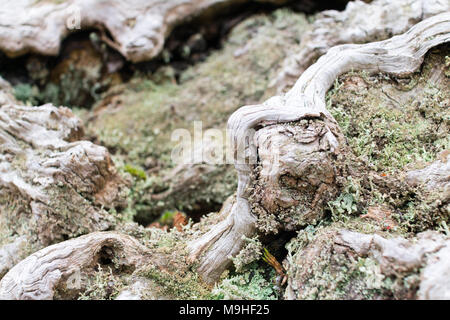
x=64 y=80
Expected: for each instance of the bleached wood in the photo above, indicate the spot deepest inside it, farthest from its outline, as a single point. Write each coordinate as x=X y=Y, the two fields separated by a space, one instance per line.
x=138 y=27
x=360 y=22
x=400 y=55
x=53 y=185
x=37 y=276
x=419 y=267
x=429 y=252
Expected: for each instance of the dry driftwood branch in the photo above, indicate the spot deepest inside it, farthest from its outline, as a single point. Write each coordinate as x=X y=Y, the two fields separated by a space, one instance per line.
x=10 y=254
x=435 y=176
x=387 y=18
x=28 y=131
x=40 y=275
x=399 y=56
x=138 y=27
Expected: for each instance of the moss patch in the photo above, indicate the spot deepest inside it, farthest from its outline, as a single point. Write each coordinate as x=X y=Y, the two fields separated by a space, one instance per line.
x=320 y=269
x=394 y=124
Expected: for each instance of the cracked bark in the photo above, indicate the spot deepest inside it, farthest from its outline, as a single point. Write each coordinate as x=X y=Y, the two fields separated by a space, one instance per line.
x=40 y=275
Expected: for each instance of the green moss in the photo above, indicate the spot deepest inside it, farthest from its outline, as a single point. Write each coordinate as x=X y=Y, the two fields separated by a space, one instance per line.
x=167 y=217
x=423 y=213
x=318 y=271
x=251 y=252
x=393 y=124
x=135 y=172
x=346 y=203
x=256 y=283
x=102 y=285
x=26 y=93
x=178 y=284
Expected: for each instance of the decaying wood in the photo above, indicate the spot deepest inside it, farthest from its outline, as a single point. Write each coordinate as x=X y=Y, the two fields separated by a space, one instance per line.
x=417 y=267
x=296 y=176
x=360 y=22
x=41 y=152
x=39 y=275
x=399 y=56
x=138 y=28
x=53 y=186
x=435 y=176
x=429 y=250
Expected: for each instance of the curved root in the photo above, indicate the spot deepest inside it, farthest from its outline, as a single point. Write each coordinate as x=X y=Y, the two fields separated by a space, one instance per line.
x=400 y=55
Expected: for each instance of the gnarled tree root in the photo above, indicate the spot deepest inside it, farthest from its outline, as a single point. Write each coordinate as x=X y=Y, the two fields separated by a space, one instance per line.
x=333 y=28
x=399 y=56
x=138 y=28
x=39 y=275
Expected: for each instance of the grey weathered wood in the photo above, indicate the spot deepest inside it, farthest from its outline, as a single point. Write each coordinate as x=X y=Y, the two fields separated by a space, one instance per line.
x=138 y=27
x=399 y=55
x=53 y=185
x=360 y=22
x=37 y=276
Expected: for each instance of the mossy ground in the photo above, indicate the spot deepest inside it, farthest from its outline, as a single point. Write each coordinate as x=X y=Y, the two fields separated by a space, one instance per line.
x=173 y=278
x=394 y=125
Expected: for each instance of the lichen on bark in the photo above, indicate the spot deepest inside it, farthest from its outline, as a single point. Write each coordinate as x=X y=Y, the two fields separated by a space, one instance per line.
x=353 y=160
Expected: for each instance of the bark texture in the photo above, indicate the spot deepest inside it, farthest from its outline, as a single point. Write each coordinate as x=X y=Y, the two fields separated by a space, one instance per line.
x=53 y=185
x=400 y=56
x=287 y=153
x=55 y=267
x=353 y=25
x=138 y=28
x=369 y=266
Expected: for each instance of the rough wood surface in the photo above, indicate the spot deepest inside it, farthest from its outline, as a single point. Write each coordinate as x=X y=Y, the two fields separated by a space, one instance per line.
x=435 y=176
x=138 y=28
x=362 y=265
x=399 y=55
x=53 y=186
x=387 y=18
x=39 y=275
x=430 y=251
